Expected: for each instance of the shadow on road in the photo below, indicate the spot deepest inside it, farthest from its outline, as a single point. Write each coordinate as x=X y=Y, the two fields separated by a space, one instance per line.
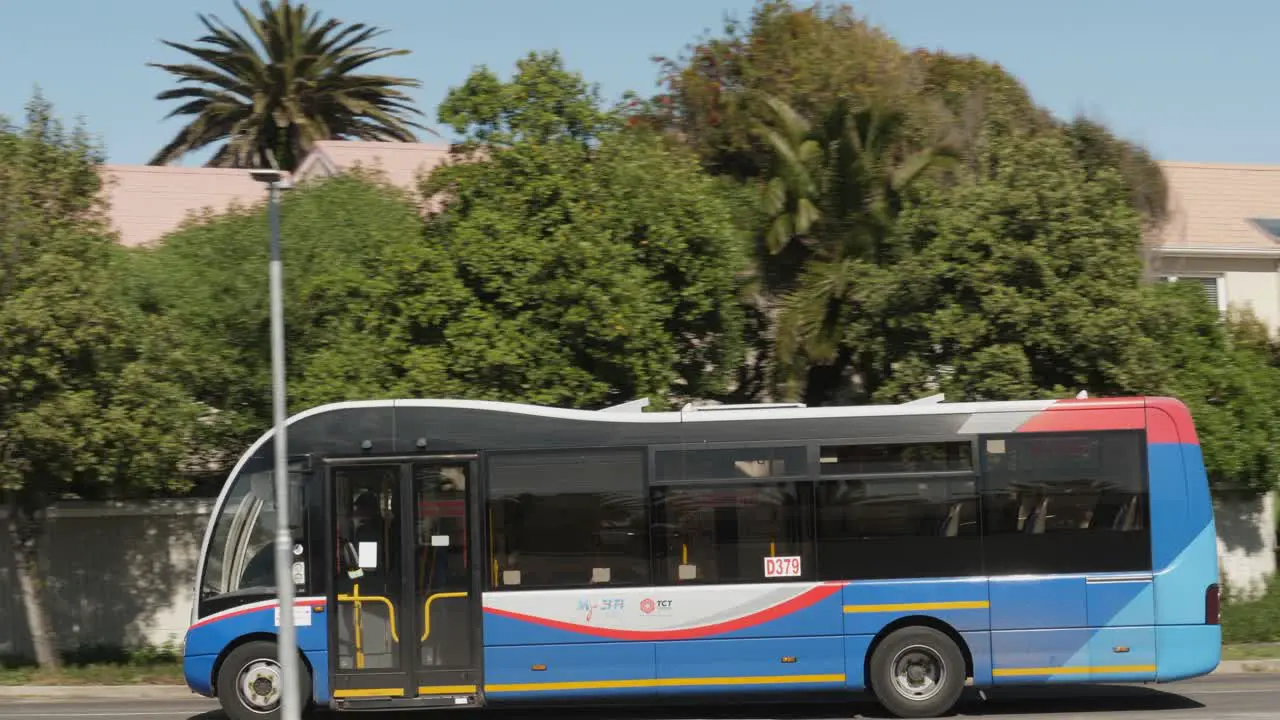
x=1099 y=699
x=1003 y=703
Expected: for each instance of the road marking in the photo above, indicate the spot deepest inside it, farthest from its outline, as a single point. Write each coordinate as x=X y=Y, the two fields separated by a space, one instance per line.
x=176 y=711
x=1193 y=693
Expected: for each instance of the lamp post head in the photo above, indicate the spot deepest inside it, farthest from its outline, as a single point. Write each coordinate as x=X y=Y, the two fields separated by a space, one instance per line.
x=268 y=176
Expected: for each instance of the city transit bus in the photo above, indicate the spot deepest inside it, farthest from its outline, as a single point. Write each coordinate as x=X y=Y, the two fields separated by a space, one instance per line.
x=456 y=554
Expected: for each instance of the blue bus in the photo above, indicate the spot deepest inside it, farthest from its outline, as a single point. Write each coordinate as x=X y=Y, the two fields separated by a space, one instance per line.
x=456 y=554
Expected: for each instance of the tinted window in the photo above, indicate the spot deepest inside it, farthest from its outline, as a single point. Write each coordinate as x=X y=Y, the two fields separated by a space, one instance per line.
x=1065 y=503
x=896 y=459
x=731 y=463
x=568 y=519
x=898 y=527
x=724 y=533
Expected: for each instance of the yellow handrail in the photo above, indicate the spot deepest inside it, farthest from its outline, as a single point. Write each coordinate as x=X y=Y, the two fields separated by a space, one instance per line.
x=359 y=599
x=426 y=610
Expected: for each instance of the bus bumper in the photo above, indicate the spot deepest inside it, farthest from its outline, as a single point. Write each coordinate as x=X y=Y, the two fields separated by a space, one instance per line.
x=1187 y=651
x=198 y=670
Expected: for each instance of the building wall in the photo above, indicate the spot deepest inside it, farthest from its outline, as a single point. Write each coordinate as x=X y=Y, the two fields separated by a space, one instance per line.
x=1248 y=282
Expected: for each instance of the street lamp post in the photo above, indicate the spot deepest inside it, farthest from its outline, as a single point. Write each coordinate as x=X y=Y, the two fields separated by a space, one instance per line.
x=290 y=693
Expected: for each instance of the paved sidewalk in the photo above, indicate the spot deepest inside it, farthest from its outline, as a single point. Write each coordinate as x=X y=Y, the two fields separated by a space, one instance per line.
x=180 y=692
x=95 y=692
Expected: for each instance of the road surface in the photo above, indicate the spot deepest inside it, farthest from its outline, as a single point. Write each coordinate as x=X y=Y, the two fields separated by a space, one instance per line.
x=1222 y=698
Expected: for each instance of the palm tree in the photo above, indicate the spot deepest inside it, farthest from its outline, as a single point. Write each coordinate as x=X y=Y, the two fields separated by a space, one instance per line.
x=269 y=102
x=836 y=188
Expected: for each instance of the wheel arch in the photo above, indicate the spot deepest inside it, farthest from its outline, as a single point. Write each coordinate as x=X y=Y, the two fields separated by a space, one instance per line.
x=920 y=621
x=256 y=637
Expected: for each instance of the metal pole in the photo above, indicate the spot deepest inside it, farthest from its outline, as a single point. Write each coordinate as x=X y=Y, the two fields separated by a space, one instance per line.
x=290 y=700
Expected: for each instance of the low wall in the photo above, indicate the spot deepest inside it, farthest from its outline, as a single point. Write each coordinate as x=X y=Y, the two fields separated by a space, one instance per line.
x=118 y=575
x=122 y=574
x=1246 y=540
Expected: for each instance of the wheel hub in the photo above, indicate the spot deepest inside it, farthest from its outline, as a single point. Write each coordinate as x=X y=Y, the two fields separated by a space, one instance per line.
x=918 y=673
x=260 y=685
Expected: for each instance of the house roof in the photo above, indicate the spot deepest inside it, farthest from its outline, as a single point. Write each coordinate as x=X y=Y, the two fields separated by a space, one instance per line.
x=1214 y=207
x=401 y=162
x=148 y=202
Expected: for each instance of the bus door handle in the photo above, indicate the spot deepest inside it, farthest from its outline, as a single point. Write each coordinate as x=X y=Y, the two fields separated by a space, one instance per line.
x=426 y=610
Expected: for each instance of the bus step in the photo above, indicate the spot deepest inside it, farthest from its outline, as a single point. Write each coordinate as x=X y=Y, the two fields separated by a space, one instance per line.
x=429 y=702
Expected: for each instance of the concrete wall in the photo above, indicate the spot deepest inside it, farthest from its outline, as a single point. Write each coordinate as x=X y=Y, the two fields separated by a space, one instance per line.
x=119 y=575
x=122 y=575
x=1246 y=541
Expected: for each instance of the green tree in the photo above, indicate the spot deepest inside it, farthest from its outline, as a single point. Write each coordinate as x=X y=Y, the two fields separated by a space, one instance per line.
x=1226 y=373
x=571 y=262
x=269 y=103
x=340 y=238
x=809 y=59
x=1018 y=283
x=606 y=259
x=86 y=409
x=837 y=186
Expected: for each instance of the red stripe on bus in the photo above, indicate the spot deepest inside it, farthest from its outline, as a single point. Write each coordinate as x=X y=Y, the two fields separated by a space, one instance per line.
x=804 y=600
x=1169 y=421
x=1087 y=415
x=237 y=612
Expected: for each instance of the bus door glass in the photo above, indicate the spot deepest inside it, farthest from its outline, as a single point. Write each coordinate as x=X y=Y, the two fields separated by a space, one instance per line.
x=447 y=637
x=367 y=580
x=404 y=582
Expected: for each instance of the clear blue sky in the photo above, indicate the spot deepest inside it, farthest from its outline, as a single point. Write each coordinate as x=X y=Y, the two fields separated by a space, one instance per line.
x=1192 y=80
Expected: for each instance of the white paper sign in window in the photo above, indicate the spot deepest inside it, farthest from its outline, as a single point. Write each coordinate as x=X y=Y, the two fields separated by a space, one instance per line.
x=369 y=555
x=301 y=616
x=782 y=566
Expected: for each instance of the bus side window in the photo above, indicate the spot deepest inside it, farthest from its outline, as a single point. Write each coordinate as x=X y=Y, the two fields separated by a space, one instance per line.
x=567 y=518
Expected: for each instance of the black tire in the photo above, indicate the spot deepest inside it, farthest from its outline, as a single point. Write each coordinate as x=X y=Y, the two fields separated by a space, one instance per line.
x=930 y=688
x=258 y=656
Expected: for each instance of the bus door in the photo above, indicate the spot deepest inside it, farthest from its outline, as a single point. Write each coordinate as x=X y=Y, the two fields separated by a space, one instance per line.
x=404 y=584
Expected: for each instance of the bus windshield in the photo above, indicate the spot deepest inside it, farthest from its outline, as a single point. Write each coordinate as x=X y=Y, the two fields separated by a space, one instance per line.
x=240 y=550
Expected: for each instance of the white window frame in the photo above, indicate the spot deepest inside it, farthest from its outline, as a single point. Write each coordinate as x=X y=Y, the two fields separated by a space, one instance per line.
x=1219 y=278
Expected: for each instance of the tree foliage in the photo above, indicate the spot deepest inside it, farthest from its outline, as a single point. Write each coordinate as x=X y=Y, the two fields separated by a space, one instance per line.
x=86 y=409
x=609 y=250
x=269 y=102
x=563 y=268
x=1018 y=283
x=210 y=279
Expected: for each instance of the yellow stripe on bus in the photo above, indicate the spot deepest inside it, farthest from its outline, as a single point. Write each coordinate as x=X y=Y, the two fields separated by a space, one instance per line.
x=919 y=607
x=446 y=689
x=1075 y=670
x=663 y=682
x=369 y=692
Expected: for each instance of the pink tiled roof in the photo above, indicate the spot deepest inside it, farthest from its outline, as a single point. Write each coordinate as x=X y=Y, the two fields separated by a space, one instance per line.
x=401 y=162
x=148 y=202
x=1211 y=205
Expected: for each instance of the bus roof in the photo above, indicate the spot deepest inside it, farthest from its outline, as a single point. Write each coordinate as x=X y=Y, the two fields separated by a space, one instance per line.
x=632 y=411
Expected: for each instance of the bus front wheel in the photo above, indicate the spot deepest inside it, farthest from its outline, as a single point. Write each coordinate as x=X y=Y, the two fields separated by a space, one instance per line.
x=917 y=672
x=250 y=682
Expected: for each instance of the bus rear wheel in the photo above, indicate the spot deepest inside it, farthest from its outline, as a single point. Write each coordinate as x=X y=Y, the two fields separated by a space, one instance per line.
x=250 y=682
x=917 y=672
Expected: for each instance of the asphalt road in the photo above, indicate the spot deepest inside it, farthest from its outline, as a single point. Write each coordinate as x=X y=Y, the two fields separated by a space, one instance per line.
x=1222 y=698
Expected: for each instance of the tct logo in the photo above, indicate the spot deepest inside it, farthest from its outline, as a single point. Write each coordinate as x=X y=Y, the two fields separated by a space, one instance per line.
x=648 y=605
